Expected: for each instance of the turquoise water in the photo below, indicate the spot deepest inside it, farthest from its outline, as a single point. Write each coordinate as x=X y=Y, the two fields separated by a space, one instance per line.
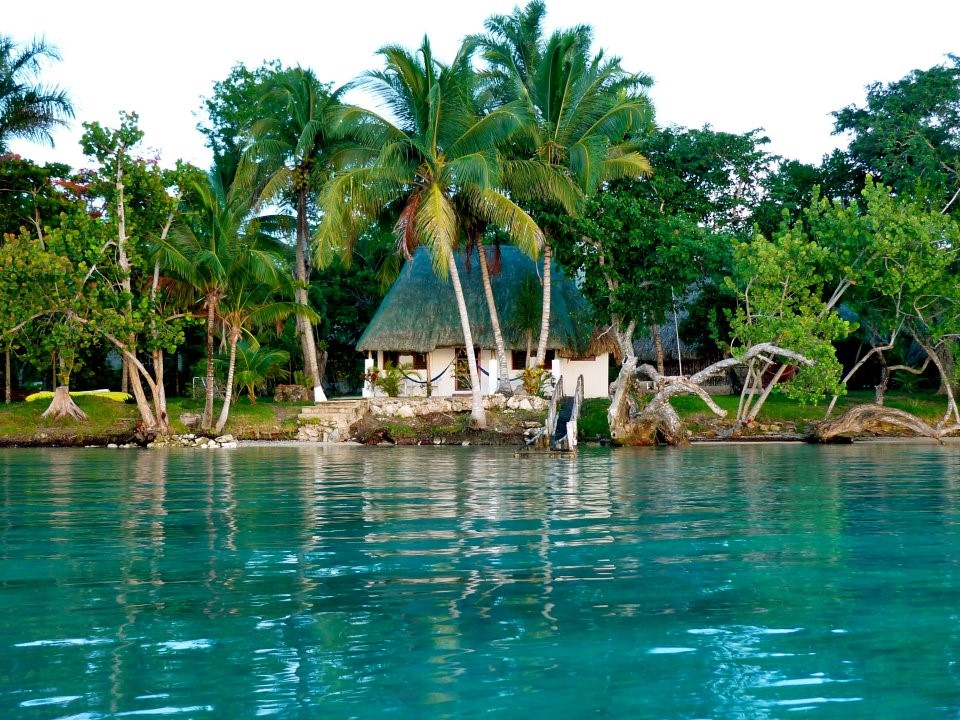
x=717 y=582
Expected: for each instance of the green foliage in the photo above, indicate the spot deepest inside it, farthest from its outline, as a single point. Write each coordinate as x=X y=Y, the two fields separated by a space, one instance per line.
x=255 y=366
x=535 y=380
x=643 y=244
x=906 y=134
x=390 y=377
x=232 y=108
x=29 y=109
x=593 y=420
x=30 y=194
x=779 y=285
x=894 y=261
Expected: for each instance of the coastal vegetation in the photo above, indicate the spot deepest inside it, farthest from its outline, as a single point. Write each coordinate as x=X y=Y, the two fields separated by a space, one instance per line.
x=807 y=283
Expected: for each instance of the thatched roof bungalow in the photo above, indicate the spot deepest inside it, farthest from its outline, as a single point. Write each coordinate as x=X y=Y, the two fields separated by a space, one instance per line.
x=418 y=323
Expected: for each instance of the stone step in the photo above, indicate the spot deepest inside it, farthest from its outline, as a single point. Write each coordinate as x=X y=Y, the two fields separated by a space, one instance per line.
x=337 y=412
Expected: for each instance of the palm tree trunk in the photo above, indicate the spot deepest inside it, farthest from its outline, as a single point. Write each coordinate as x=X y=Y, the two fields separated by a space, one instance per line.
x=478 y=416
x=308 y=345
x=8 y=390
x=545 y=316
x=503 y=385
x=228 y=391
x=206 y=422
x=657 y=346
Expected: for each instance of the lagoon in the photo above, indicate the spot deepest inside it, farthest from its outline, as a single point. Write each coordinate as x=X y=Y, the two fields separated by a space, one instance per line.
x=724 y=581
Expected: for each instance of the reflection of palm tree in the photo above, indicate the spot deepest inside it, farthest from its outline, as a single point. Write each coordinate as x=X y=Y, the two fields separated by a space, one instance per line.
x=581 y=109
x=440 y=157
x=28 y=110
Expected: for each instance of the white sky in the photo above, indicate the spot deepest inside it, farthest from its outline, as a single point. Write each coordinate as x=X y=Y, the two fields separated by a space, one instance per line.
x=735 y=64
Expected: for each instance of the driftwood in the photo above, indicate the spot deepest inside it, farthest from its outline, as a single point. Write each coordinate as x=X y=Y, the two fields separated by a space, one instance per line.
x=658 y=422
x=63 y=405
x=877 y=418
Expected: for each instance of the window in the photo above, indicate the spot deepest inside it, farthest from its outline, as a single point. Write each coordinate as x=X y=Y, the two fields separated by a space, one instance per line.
x=518 y=358
x=417 y=361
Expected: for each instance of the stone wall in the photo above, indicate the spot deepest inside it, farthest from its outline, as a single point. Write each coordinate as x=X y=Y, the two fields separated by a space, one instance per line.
x=408 y=407
x=335 y=427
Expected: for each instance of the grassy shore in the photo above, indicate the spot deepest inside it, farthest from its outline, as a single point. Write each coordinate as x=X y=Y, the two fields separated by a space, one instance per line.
x=107 y=421
x=112 y=422
x=779 y=415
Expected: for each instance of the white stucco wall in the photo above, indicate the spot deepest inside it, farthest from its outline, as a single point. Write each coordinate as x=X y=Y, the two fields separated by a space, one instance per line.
x=595 y=382
x=440 y=360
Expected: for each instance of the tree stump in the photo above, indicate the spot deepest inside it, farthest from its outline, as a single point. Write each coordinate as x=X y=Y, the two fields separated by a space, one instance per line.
x=63 y=405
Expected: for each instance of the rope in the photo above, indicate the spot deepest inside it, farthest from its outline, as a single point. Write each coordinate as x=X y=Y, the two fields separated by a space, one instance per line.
x=433 y=380
x=442 y=372
x=510 y=379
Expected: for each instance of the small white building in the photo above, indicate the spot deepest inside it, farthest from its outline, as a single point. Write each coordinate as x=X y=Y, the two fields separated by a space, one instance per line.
x=418 y=324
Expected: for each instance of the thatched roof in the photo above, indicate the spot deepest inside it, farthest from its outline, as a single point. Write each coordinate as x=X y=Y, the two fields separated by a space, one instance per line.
x=644 y=346
x=419 y=313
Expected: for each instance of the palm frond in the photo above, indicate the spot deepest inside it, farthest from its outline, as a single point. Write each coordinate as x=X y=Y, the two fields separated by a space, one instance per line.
x=501 y=211
x=540 y=181
x=436 y=227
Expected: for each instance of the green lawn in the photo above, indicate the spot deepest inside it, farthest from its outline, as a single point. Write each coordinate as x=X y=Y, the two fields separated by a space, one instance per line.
x=109 y=421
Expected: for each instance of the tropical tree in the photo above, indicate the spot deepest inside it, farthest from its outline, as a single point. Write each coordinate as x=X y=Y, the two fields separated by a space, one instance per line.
x=582 y=110
x=292 y=146
x=643 y=246
x=439 y=158
x=235 y=105
x=253 y=299
x=906 y=135
x=28 y=110
x=255 y=365
x=218 y=250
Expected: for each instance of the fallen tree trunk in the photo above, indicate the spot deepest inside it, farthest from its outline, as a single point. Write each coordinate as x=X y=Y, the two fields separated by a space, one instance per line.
x=63 y=405
x=876 y=418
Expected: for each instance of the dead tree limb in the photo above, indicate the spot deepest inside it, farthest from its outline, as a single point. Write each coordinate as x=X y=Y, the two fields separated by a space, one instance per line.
x=658 y=422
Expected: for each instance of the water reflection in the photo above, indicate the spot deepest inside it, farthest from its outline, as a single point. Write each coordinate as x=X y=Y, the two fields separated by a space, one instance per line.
x=305 y=582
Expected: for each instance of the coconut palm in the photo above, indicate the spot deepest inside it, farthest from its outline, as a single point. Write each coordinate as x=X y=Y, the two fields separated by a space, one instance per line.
x=253 y=300
x=218 y=250
x=439 y=157
x=584 y=109
x=28 y=110
x=294 y=153
x=255 y=365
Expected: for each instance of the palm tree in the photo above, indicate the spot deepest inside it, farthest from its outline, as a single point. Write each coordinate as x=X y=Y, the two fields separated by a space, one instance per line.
x=437 y=162
x=584 y=109
x=255 y=365
x=251 y=301
x=28 y=110
x=217 y=249
x=295 y=151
